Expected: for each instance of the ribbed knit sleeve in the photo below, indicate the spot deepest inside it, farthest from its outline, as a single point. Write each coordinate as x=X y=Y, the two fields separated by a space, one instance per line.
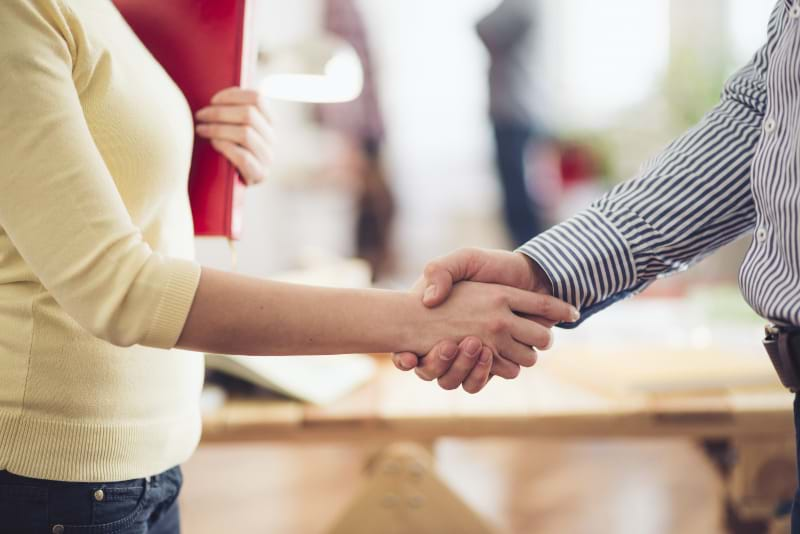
x=59 y=203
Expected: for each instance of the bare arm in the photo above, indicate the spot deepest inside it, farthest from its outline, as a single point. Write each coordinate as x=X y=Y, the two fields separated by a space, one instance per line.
x=242 y=315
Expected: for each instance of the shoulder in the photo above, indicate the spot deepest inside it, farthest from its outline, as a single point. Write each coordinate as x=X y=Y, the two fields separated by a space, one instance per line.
x=33 y=26
x=21 y=17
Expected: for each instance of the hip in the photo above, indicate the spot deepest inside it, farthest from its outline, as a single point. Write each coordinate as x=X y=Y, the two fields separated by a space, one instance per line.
x=139 y=506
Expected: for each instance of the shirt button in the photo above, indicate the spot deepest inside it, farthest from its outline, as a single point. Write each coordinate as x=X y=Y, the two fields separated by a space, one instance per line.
x=769 y=125
x=58 y=529
x=761 y=234
x=99 y=495
x=794 y=12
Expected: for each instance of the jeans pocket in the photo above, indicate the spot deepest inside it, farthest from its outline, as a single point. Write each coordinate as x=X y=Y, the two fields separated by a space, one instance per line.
x=23 y=509
x=117 y=504
x=115 y=509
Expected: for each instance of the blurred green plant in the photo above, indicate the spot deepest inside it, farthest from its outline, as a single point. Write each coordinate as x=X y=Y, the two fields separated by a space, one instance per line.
x=692 y=86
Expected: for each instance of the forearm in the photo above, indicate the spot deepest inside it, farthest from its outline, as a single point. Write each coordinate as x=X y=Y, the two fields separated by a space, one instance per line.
x=688 y=201
x=234 y=314
x=692 y=199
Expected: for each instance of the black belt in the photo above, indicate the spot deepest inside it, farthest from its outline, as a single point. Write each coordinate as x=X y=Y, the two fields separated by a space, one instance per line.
x=783 y=347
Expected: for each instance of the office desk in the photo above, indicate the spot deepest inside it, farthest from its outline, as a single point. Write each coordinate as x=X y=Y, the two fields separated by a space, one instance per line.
x=404 y=494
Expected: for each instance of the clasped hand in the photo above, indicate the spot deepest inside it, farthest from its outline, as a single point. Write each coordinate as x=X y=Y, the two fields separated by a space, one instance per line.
x=513 y=296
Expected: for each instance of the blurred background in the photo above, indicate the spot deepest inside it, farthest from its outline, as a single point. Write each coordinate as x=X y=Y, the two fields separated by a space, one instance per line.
x=609 y=85
x=479 y=125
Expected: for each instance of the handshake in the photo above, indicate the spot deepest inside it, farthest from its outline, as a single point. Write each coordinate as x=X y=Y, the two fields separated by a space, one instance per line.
x=503 y=300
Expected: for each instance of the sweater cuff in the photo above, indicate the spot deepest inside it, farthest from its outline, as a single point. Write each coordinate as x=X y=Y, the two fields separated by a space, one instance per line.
x=173 y=308
x=587 y=260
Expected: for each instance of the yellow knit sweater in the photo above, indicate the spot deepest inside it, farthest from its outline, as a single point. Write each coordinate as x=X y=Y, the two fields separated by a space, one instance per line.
x=96 y=276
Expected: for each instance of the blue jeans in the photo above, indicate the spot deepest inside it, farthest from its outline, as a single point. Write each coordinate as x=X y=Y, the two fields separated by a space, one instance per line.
x=141 y=506
x=511 y=142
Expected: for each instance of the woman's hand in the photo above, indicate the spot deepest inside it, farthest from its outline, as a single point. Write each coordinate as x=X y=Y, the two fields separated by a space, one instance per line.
x=239 y=127
x=496 y=315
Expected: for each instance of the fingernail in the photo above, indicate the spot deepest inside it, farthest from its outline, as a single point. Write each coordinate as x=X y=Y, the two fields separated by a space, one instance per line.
x=430 y=292
x=485 y=356
x=472 y=347
x=448 y=353
x=200 y=128
x=574 y=314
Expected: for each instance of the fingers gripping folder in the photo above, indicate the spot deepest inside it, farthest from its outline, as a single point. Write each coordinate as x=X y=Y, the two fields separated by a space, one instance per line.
x=205 y=46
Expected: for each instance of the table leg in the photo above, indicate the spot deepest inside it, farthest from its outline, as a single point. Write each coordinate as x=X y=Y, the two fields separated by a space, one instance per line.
x=759 y=476
x=405 y=496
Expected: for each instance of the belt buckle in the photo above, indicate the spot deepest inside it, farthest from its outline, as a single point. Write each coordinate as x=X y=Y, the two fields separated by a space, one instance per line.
x=771 y=331
x=776 y=343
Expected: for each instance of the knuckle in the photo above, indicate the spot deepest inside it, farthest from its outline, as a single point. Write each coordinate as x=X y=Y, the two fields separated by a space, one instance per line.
x=497 y=325
x=250 y=116
x=251 y=96
x=500 y=299
x=470 y=251
x=432 y=268
x=237 y=159
x=238 y=135
x=254 y=166
x=547 y=307
x=249 y=136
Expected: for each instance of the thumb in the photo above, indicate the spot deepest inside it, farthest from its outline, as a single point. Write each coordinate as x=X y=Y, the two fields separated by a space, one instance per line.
x=405 y=361
x=438 y=284
x=442 y=273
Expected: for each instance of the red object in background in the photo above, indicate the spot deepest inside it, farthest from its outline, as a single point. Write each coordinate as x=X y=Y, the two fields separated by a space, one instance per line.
x=204 y=46
x=578 y=165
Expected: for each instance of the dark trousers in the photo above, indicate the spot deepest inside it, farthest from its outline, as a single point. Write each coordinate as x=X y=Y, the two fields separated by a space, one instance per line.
x=511 y=143
x=140 y=506
x=796 y=502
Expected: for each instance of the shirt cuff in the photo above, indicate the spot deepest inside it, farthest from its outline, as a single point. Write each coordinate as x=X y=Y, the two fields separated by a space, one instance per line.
x=588 y=261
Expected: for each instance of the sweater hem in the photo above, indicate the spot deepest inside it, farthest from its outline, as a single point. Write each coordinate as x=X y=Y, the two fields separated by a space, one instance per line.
x=72 y=451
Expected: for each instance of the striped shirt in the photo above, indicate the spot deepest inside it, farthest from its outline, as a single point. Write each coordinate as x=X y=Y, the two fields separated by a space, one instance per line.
x=737 y=171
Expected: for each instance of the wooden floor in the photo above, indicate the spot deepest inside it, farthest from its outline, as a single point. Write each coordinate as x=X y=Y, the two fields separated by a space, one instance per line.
x=519 y=486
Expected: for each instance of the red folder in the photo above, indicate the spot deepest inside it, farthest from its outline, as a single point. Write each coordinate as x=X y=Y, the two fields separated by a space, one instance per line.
x=204 y=45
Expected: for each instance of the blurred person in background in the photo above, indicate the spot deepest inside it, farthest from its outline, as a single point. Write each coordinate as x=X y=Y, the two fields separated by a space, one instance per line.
x=508 y=35
x=360 y=123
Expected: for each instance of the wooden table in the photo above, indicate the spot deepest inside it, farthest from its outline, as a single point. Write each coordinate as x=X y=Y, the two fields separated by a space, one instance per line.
x=562 y=396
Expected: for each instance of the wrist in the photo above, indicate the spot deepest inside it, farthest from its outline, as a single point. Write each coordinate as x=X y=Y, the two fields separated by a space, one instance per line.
x=412 y=328
x=539 y=281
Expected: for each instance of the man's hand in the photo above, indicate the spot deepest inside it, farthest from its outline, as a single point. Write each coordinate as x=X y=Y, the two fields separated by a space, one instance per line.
x=490 y=266
x=238 y=126
x=479 y=265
